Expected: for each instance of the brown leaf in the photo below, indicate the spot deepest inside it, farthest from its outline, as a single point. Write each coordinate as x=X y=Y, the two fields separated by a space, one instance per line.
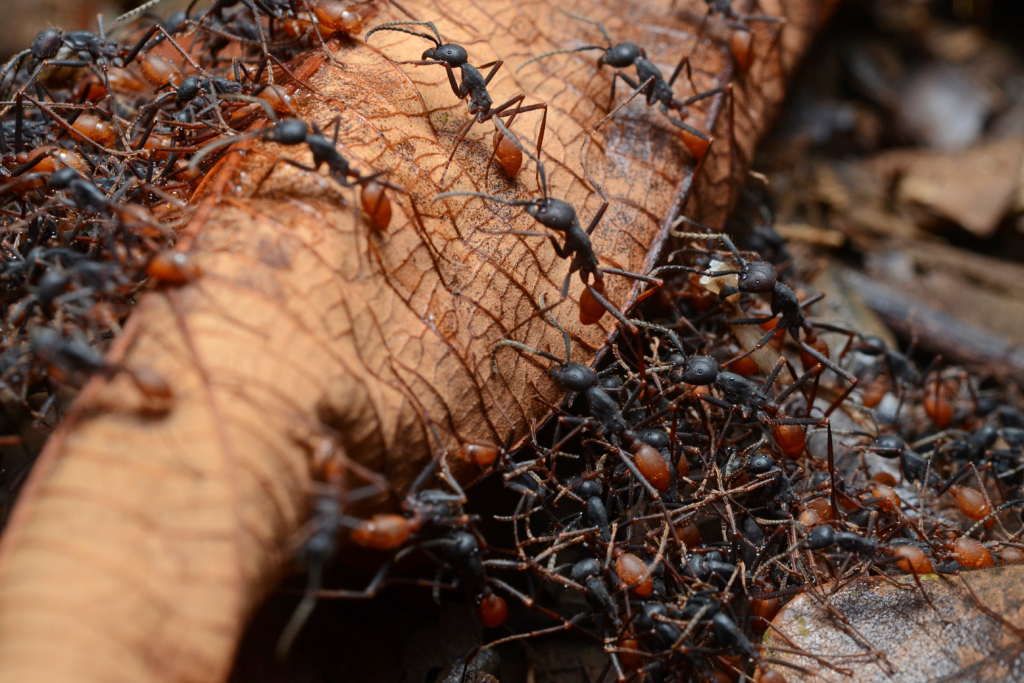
x=974 y=188
x=143 y=541
x=966 y=643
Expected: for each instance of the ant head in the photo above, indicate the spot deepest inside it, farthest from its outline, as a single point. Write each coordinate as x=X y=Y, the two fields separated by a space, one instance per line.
x=553 y=213
x=453 y=55
x=465 y=544
x=821 y=537
x=888 y=446
x=757 y=277
x=620 y=56
x=654 y=438
x=700 y=370
x=588 y=488
x=584 y=569
x=47 y=43
x=62 y=178
x=187 y=91
x=574 y=377
x=873 y=346
x=761 y=463
x=288 y=132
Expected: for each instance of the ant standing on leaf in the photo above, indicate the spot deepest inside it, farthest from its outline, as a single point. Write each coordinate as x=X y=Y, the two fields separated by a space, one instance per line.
x=649 y=80
x=294 y=132
x=474 y=86
x=741 y=44
x=561 y=217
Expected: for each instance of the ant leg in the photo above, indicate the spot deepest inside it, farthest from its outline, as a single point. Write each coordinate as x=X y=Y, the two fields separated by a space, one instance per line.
x=637 y=89
x=767 y=337
x=632 y=276
x=259 y=29
x=679 y=68
x=597 y=218
x=610 y=307
x=704 y=95
x=301 y=613
x=300 y=165
x=455 y=147
x=500 y=136
x=496 y=64
x=133 y=53
x=673 y=337
x=544 y=309
x=774 y=374
x=565 y=335
x=19 y=123
x=818 y=356
x=500 y=111
x=367 y=593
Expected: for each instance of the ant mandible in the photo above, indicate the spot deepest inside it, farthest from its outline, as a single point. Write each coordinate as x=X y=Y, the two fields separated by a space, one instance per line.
x=561 y=217
x=474 y=86
x=649 y=80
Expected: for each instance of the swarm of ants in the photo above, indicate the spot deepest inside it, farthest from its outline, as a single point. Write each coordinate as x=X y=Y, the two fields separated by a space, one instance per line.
x=103 y=142
x=683 y=492
x=686 y=491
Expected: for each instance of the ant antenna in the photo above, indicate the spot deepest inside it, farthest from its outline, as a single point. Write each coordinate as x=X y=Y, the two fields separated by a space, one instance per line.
x=565 y=335
x=586 y=171
x=522 y=347
x=393 y=26
x=499 y=200
x=598 y=24
x=559 y=52
x=664 y=330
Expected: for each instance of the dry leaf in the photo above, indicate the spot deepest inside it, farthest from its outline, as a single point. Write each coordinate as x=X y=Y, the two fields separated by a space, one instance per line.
x=142 y=541
x=974 y=188
x=965 y=643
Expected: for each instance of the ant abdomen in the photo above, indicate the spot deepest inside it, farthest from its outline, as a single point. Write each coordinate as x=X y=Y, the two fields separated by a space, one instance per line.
x=492 y=610
x=592 y=310
x=159 y=71
x=653 y=466
x=376 y=204
x=382 y=532
x=508 y=155
x=632 y=571
x=971 y=553
x=337 y=16
x=483 y=454
x=912 y=559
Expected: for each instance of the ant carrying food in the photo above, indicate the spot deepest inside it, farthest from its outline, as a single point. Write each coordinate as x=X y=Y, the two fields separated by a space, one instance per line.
x=474 y=86
x=760 y=277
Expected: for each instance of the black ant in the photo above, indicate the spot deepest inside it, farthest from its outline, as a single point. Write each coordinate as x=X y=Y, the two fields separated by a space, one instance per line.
x=293 y=132
x=561 y=217
x=649 y=80
x=75 y=355
x=474 y=83
x=760 y=277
